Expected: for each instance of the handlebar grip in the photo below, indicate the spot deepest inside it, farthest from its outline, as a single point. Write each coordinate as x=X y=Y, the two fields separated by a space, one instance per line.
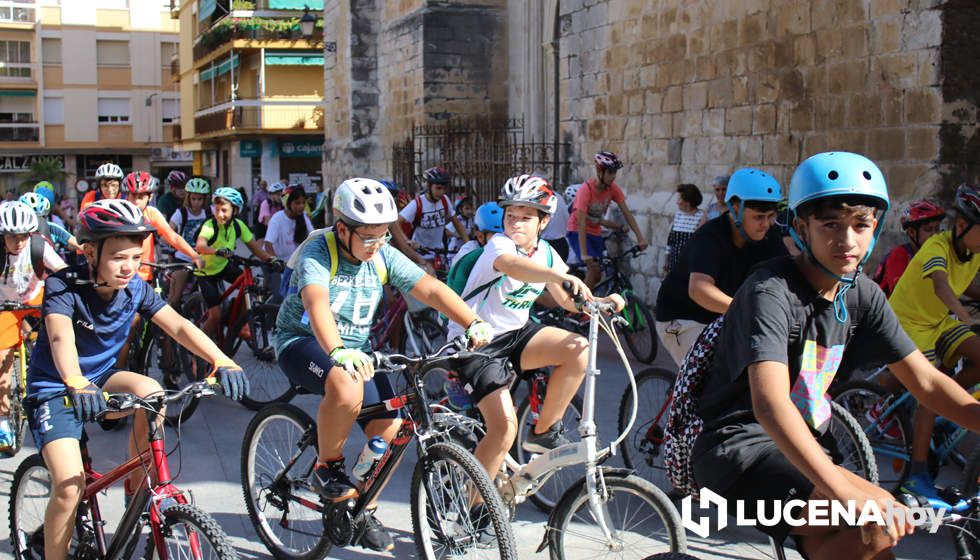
x=577 y=298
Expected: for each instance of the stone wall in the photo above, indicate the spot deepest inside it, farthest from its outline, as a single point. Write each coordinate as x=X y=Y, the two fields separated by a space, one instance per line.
x=685 y=91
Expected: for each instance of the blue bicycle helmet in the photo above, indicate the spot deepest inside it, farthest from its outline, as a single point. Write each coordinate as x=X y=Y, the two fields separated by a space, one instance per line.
x=231 y=195
x=490 y=217
x=749 y=184
x=390 y=185
x=838 y=174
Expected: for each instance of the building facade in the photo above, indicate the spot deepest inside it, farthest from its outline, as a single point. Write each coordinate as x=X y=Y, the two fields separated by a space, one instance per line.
x=251 y=89
x=683 y=91
x=84 y=83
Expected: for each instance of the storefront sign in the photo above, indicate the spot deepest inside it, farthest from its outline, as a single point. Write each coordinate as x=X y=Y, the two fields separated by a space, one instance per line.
x=301 y=148
x=170 y=154
x=16 y=164
x=250 y=148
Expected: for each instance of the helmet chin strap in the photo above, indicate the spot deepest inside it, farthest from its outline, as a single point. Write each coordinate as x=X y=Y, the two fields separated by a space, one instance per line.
x=966 y=255
x=738 y=220
x=346 y=246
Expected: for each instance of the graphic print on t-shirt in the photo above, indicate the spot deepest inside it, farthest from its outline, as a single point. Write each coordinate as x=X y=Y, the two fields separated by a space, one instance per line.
x=817 y=370
x=521 y=298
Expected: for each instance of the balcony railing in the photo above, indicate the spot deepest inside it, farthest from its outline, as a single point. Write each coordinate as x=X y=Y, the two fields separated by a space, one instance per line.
x=254 y=114
x=252 y=28
x=17 y=12
x=23 y=70
x=19 y=132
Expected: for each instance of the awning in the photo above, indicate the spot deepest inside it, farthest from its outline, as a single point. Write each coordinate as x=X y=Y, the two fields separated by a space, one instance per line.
x=296 y=4
x=206 y=8
x=223 y=68
x=294 y=58
x=31 y=92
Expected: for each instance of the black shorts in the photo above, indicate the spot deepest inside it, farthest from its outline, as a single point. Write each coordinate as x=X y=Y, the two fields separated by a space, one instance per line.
x=561 y=247
x=306 y=364
x=212 y=286
x=482 y=376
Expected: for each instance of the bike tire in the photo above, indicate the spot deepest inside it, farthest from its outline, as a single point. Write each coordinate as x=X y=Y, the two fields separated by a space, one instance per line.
x=858 y=397
x=643 y=447
x=671 y=556
x=180 y=524
x=269 y=384
x=430 y=333
x=970 y=487
x=285 y=425
x=640 y=332
x=18 y=414
x=856 y=455
x=427 y=537
x=192 y=368
x=547 y=497
x=168 y=380
x=566 y=523
x=29 y=495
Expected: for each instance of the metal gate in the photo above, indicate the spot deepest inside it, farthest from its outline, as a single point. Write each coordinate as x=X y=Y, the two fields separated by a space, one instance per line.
x=480 y=154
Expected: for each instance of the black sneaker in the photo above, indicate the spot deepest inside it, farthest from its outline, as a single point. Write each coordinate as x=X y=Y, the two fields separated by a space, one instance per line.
x=543 y=443
x=373 y=534
x=480 y=517
x=332 y=483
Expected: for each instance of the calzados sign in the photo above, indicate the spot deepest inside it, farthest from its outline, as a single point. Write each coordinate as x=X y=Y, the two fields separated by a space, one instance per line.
x=21 y=163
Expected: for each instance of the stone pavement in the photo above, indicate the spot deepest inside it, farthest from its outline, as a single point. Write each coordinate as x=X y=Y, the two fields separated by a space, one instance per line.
x=208 y=465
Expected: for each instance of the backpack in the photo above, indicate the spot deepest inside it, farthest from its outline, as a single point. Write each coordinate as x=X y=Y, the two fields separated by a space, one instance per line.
x=460 y=270
x=380 y=266
x=683 y=423
x=43 y=227
x=185 y=215
x=236 y=223
x=881 y=271
x=418 y=214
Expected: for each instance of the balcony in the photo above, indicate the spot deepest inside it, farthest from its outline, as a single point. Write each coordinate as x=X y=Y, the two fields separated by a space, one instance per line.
x=19 y=132
x=17 y=12
x=17 y=72
x=174 y=67
x=231 y=28
x=258 y=115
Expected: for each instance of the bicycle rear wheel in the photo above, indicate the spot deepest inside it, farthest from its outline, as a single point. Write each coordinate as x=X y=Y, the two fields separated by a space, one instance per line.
x=278 y=455
x=445 y=480
x=29 y=496
x=168 y=377
x=891 y=438
x=851 y=448
x=268 y=382
x=640 y=334
x=548 y=495
x=18 y=416
x=641 y=517
x=644 y=446
x=189 y=532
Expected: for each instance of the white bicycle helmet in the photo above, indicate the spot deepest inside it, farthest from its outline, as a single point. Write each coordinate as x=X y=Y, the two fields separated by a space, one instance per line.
x=109 y=171
x=16 y=218
x=37 y=202
x=361 y=202
x=276 y=187
x=570 y=193
x=528 y=190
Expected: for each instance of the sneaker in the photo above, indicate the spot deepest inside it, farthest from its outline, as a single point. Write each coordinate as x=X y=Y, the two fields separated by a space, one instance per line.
x=886 y=426
x=331 y=482
x=373 y=534
x=6 y=438
x=923 y=486
x=485 y=533
x=543 y=443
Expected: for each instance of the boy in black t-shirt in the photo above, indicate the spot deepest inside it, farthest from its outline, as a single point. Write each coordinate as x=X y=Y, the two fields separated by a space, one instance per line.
x=717 y=259
x=764 y=403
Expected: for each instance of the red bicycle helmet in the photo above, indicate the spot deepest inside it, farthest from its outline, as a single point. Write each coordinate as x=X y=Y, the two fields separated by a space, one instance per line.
x=109 y=218
x=608 y=160
x=921 y=212
x=140 y=182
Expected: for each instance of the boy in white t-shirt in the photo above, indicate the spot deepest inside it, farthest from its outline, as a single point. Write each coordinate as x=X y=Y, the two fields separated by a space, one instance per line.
x=514 y=269
x=428 y=215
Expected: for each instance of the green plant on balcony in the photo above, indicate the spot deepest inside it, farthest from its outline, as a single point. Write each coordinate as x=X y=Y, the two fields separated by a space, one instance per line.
x=253 y=28
x=242 y=5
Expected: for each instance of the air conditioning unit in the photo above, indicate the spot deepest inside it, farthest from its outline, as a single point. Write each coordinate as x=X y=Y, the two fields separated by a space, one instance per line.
x=158 y=153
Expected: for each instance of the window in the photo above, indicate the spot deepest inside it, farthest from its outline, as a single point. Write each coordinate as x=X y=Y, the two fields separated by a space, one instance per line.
x=18 y=12
x=51 y=51
x=54 y=110
x=16 y=109
x=171 y=111
x=167 y=52
x=15 y=59
x=114 y=111
x=112 y=53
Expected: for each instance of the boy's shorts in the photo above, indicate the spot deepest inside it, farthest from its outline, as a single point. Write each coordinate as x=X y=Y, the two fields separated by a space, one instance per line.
x=10 y=321
x=482 y=376
x=594 y=244
x=212 y=287
x=939 y=344
x=307 y=365
x=54 y=418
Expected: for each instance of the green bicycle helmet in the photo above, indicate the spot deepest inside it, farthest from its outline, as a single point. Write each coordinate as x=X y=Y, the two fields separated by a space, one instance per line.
x=198 y=186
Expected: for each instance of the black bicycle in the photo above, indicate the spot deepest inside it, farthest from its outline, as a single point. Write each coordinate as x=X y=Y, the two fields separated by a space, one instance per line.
x=279 y=452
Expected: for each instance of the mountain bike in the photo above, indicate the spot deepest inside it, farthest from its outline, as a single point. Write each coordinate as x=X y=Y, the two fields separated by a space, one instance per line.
x=279 y=453
x=638 y=329
x=18 y=381
x=178 y=529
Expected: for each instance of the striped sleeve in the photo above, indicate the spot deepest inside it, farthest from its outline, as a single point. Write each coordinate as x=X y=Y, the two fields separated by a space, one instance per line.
x=933 y=264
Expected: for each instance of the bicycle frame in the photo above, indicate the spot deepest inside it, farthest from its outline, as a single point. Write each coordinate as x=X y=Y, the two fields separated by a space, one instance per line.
x=242 y=302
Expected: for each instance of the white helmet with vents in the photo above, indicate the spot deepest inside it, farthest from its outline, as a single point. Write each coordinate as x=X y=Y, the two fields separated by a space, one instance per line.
x=109 y=171
x=16 y=218
x=360 y=202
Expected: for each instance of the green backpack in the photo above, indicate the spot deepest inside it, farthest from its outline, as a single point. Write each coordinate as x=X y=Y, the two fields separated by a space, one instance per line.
x=460 y=270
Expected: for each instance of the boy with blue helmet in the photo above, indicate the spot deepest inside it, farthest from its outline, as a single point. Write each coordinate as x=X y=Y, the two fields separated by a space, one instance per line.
x=764 y=402
x=717 y=259
x=58 y=235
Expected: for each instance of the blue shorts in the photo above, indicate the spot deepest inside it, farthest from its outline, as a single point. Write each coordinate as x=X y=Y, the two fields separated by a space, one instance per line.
x=54 y=418
x=594 y=244
x=306 y=364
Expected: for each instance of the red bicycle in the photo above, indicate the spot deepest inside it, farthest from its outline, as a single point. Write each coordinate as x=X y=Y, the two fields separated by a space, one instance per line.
x=248 y=321
x=178 y=529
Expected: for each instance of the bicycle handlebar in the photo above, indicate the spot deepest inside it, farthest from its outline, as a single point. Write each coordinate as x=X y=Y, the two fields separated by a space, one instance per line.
x=588 y=306
x=169 y=266
x=124 y=402
x=396 y=361
x=17 y=306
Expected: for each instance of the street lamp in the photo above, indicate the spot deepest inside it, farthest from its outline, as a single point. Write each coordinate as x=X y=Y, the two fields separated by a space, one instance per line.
x=307 y=23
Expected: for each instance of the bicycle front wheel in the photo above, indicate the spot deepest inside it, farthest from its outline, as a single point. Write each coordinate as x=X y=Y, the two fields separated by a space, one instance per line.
x=551 y=491
x=256 y=331
x=278 y=455
x=641 y=518
x=643 y=448
x=446 y=480
x=641 y=336
x=188 y=532
x=29 y=496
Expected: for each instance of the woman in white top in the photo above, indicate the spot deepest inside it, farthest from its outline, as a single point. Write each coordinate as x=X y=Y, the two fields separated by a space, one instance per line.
x=686 y=221
x=287 y=229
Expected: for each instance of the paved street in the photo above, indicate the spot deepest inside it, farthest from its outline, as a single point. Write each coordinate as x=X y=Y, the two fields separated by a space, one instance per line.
x=209 y=466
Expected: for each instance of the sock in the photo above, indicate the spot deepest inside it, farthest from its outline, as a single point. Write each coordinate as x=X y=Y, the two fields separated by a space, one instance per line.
x=918 y=467
x=328 y=462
